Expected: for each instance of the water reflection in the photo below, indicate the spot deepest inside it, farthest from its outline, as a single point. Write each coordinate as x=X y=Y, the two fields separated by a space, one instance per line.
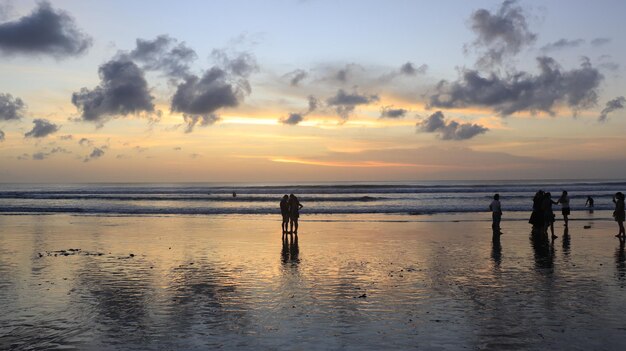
x=290 y=251
x=543 y=249
x=496 y=250
x=566 y=242
x=620 y=262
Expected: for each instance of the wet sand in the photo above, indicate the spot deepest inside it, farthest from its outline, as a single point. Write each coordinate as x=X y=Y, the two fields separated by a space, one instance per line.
x=196 y=283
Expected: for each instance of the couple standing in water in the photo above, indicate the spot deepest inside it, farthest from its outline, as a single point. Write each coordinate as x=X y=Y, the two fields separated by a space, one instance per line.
x=290 y=209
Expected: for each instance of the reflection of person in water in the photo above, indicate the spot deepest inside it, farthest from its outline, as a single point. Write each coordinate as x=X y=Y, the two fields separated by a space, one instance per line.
x=496 y=250
x=290 y=250
x=543 y=249
x=284 y=211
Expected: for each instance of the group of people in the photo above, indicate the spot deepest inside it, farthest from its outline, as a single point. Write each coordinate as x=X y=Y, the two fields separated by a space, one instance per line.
x=290 y=209
x=542 y=217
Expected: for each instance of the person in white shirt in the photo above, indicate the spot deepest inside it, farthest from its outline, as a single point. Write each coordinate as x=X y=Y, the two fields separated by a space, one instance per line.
x=496 y=213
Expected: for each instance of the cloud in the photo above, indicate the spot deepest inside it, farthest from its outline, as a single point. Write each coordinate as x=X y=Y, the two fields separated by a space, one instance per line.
x=41 y=155
x=123 y=90
x=202 y=121
x=85 y=142
x=42 y=129
x=45 y=31
x=95 y=154
x=611 y=105
x=600 y=41
x=345 y=103
x=1 y=136
x=165 y=54
x=344 y=74
x=293 y=119
x=11 y=108
x=449 y=130
x=296 y=77
x=501 y=34
x=297 y=117
x=562 y=44
x=390 y=112
x=410 y=70
x=66 y=137
x=576 y=88
x=198 y=98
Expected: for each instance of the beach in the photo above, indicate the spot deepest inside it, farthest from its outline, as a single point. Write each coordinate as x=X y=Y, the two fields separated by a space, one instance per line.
x=428 y=282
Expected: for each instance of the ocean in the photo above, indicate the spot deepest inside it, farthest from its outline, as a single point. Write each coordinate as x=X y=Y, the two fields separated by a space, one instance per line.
x=392 y=198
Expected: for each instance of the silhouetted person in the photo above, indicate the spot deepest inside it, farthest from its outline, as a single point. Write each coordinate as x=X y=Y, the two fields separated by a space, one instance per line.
x=284 y=211
x=548 y=214
x=294 y=212
x=589 y=203
x=536 y=218
x=565 y=209
x=496 y=213
x=619 y=213
x=234 y=194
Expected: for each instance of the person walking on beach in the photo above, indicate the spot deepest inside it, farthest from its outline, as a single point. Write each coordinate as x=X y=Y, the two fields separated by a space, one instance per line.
x=548 y=214
x=619 y=213
x=294 y=213
x=496 y=214
x=565 y=210
x=284 y=211
x=589 y=202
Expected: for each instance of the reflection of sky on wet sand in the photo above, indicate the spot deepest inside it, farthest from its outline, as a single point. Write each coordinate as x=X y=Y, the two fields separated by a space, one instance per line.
x=198 y=283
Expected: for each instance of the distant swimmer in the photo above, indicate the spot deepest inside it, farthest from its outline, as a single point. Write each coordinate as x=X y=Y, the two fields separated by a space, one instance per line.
x=589 y=202
x=284 y=211
x=234 y=194
x=619 y=214
x=496 y=214
x=565 y=210
x=294 y=212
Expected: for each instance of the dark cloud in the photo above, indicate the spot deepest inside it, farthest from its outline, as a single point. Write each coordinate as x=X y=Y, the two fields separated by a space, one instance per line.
x=123 y=90
x=344 y=74
x=293 y=119
x=345 y=103
x=612 y=105
x=41 y=155
x=1 y=135
x=95 y=154
x=164 y=54
x=297 y=117
x=449 y=130
x=85 y=142
x=600 y=41
x=410 y=70
x=390 y=112
x=42 y=129
x=296 y=77
x=45 y=31
x=198 y=98
x=11 y=108
x=200 y=120
x=562 y=44
x=66 y=137
x=501 y=34
x=518 y=92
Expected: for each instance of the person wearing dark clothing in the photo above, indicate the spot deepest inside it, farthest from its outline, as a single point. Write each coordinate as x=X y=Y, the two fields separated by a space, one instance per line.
x=548 y=214
x=589 y=202
x=284 y=211
x=536 y=218
x=294 y=213
x=619 y=214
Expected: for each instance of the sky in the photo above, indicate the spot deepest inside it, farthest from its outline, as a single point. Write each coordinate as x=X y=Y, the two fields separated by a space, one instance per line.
x=311 y=90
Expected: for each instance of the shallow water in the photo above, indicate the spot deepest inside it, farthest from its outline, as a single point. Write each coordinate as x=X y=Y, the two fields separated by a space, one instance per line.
x=196 y=283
